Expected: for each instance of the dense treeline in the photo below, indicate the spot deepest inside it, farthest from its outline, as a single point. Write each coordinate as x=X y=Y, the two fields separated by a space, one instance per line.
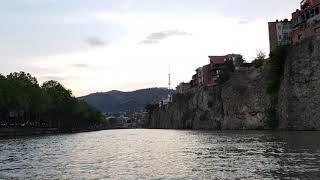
x=24 y=103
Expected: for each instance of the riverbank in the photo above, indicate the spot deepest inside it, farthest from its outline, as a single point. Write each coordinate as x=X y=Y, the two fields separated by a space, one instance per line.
x=12 y=132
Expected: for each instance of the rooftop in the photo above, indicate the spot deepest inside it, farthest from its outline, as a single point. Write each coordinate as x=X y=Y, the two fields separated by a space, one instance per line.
x=217 y=59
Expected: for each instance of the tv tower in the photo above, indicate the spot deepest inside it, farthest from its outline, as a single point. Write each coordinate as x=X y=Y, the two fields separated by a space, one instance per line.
x=169 y=80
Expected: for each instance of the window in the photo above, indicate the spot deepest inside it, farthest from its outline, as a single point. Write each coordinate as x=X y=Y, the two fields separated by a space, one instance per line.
x=317 y=10
x=312 y=13
x=308 y=15
x=280 y=37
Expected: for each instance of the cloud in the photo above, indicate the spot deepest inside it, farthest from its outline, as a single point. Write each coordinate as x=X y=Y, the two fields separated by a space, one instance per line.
x=79 y=65
x=245 y=21
x=95 y=41
x=156 y=37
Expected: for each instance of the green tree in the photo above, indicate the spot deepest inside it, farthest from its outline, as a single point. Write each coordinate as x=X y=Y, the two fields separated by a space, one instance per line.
x=59 y=103
x=24 y=103
x=27 y=94
x=258 y=61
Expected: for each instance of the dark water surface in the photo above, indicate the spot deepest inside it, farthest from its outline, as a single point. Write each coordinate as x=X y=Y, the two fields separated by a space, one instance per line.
x=163 y=154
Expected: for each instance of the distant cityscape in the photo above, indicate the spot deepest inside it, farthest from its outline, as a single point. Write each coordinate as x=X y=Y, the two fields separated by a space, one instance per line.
x=126 y=120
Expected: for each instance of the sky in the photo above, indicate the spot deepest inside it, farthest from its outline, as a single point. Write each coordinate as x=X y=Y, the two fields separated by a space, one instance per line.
x=101 y=45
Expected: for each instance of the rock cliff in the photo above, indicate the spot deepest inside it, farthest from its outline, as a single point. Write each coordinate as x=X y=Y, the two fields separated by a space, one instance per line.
x=243 y=102
x=299 y=95
x=240 y=103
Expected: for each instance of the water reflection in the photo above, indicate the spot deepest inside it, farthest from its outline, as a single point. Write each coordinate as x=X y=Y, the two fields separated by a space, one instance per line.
x=162 y=154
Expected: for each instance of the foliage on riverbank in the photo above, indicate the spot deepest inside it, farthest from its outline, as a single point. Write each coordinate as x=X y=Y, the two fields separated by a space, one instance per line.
x=24 y=103
x=277 y=61
x=276 y=71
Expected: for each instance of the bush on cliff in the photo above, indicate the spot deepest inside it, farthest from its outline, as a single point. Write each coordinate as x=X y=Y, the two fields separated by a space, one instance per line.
x=258 y=61
x=275 y=76
x=277 y=61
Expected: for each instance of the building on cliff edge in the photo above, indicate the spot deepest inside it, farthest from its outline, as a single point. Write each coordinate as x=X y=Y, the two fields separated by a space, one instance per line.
x=209 y=74
x=305 y=23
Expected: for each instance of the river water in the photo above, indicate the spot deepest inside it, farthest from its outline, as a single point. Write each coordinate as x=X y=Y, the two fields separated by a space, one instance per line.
x=162 y=154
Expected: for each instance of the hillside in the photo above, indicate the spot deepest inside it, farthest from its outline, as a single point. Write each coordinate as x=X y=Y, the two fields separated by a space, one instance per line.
x=118 y=101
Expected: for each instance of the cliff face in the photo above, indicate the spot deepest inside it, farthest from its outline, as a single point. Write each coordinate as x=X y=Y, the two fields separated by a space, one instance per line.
x=240 y=103
x=299 y=95
x=243 y=102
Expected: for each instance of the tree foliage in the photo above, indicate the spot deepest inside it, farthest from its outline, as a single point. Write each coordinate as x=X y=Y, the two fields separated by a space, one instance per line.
x=277 y=61
x=275 y=76
x=258 y=61
x=24 y=103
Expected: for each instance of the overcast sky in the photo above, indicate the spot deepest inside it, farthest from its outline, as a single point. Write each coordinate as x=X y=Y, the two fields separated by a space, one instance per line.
x=100 y=45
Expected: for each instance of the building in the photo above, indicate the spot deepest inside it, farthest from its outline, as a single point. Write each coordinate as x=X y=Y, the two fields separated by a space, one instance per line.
x=305 y=23
x=236 y=59
x=194 y=81
x=165 y=101
x=279 y=32
x=209 y=74
x=183 y=88
x=200 y=76
x=217 y=59
x=217 y=66
x=203 y=75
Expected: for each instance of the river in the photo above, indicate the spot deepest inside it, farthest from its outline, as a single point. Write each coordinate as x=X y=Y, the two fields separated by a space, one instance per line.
x=162 y=154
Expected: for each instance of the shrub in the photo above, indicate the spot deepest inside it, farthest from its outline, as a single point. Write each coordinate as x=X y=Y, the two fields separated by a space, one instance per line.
x=257 y=63
x=275 y=76
x=277 y=61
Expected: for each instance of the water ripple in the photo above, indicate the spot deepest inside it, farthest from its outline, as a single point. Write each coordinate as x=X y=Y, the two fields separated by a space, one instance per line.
x=162 y=154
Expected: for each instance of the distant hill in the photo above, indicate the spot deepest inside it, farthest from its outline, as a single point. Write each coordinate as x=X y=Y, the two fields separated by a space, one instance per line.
x=117 y=101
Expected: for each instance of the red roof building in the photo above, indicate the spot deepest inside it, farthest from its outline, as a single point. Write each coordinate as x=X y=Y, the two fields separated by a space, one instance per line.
x=217 y=59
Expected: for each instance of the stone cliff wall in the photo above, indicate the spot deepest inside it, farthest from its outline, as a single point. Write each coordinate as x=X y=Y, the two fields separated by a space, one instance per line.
x=243 y=102
x=299 y=95
x=240 y=103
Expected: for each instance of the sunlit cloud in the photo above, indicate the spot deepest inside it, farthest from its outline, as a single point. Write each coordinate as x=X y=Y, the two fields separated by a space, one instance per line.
x=80 y=65
x=156 y=37
x=95 y=41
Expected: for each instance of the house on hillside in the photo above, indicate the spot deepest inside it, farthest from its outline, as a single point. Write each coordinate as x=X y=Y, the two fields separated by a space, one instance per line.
x=200 y=76
x=217 y=67
x=194 y=81
x=183 y=88
x=305 y=23
x=279 y=33
x=208 y=75
x=165 y=101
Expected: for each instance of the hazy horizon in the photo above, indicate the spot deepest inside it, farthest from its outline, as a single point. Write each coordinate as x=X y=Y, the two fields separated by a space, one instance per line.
x=126 y=45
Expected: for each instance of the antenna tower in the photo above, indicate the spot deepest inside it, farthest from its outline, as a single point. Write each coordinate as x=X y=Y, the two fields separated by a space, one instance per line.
x=169 y=82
